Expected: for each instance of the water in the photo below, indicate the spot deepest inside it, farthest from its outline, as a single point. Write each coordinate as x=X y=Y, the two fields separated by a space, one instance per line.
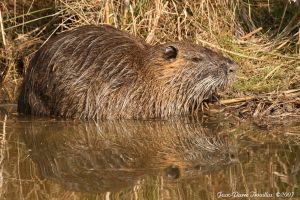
x=187 y=158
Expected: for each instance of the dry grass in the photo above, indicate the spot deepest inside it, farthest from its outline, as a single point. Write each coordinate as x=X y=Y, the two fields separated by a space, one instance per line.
x=2 y=151
x=262 y=36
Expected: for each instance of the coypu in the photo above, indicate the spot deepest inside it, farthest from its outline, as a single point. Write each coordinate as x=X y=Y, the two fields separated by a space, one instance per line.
x=96 y=72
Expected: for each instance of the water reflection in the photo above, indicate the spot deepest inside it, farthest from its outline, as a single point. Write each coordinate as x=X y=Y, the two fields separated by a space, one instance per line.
x=180 y=159
x=114 y=155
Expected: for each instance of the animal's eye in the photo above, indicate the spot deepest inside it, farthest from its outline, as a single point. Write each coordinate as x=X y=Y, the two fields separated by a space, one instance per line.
x=170 y=53
x=196 y=59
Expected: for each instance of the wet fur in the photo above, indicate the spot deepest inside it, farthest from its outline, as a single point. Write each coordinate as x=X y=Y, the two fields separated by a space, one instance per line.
x=101 y=72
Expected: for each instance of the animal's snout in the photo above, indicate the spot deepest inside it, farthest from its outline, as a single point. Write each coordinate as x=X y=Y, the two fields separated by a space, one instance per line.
x=229 y=68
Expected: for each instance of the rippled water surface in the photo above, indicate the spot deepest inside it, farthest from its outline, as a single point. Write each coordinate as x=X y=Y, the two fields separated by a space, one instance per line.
x=188 y=158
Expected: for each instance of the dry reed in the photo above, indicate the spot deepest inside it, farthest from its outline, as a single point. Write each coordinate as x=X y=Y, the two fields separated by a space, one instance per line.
x=262 y=36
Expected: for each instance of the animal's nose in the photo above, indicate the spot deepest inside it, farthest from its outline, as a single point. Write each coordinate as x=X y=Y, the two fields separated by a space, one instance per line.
x=229 y=68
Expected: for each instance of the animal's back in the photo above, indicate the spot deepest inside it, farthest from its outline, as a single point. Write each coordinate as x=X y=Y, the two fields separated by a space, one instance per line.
x=67 y=73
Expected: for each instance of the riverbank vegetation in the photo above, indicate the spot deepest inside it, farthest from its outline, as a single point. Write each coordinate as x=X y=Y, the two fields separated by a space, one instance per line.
x=262 y=36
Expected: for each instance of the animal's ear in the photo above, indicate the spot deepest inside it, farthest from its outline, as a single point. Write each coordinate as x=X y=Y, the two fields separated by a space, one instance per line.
x=170 y=53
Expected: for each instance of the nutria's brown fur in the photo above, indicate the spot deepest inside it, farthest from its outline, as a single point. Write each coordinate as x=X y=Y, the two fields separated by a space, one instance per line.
x=101 y=72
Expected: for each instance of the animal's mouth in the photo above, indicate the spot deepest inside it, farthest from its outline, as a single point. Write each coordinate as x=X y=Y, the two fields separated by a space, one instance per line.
x=230 y=80
x=218 y=91
x=214 y=97
x=210 y=90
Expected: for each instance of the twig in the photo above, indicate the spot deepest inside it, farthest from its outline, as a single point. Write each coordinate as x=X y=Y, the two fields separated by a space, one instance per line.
x=289 y=94
x=251 y=33
x=282 y=17
x=2 y=149
x=27 y=14
x=236 y=100
x=34 y=20
x=299 y=41
x=2 y=30
x=227 y=51
x=159 y=10
x=272 y=72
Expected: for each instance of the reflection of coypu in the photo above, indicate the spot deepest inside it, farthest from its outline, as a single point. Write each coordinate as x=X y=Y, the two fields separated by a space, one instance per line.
x=101 y=72
x=115 y=154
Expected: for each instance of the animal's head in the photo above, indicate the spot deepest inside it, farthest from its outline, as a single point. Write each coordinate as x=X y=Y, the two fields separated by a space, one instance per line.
x=188 y=70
